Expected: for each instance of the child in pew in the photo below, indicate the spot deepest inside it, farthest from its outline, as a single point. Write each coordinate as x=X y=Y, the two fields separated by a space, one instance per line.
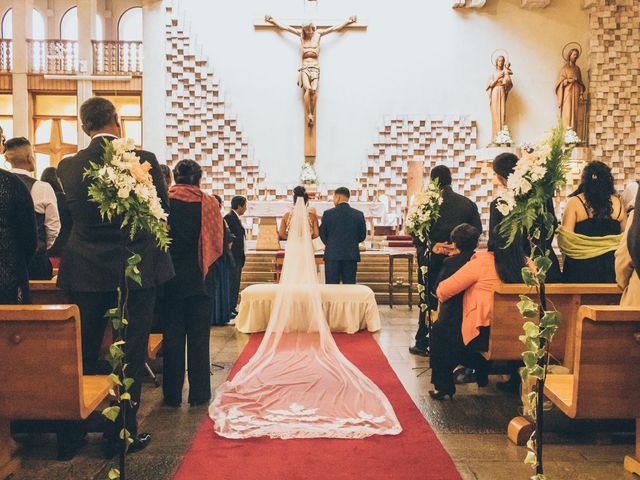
x=469 y=282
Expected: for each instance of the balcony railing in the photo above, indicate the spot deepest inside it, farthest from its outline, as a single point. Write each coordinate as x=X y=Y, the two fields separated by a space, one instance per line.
x=60 y=57
x=117 y=58
x=6 y=58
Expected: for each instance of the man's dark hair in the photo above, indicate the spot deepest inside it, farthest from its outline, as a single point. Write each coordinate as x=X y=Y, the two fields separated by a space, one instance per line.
x=187 y=172
x=16 y=142
x=465 y=237
x=343 y=191
x=218 y=197
x=238 y=201
x=504 y=164
x=96 y=113
x=443 y=174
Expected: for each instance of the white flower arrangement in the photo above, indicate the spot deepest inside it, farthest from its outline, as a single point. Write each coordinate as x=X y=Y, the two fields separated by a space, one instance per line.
x=503 y=138
x=308 y=174
x=571 y=137
x=424 y=211
x=123 y=188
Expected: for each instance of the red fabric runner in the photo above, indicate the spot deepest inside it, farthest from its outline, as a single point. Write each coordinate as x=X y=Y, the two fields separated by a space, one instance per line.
x=414 y=454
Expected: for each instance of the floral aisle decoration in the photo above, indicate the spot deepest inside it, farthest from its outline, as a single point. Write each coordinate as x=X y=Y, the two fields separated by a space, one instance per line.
x=503 y=138
x=423 y=213
x=123 y=189
x=536 y=179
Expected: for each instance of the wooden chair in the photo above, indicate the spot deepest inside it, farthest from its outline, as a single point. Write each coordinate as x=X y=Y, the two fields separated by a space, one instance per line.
x=41 y=376
x=506 y=325
x=605 y=382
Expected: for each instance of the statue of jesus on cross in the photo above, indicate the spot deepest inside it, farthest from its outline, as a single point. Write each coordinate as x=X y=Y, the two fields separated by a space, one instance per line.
x=309 y=72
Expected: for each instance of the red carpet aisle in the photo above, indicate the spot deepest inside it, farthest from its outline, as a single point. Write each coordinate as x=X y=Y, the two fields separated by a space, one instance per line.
x=414 y=454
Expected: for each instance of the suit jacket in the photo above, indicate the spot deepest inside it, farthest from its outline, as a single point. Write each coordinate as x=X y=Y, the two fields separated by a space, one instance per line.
x=341 y=231
x=91 y=260
x=633 y=239
x=477 y=279
x=238 y=231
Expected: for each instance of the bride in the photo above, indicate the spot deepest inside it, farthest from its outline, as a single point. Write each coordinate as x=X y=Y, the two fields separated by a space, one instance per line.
x=298 y=384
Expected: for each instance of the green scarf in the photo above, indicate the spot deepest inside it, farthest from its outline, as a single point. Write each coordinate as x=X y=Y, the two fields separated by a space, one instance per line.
x=582 y=247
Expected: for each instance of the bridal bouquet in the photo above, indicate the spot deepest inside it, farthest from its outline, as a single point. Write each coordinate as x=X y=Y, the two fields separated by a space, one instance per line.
x=503 y=138
x=424 y=211
x=122 y=187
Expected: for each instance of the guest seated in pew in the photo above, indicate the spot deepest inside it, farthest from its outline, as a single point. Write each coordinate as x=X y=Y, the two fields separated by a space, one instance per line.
x=626 y=274
x=447 y=347
x=197 y=242
x=90 y=270
x=592 y=227
x=283 y=230
x=19 y=153
x=50 y=176
x=18 y=239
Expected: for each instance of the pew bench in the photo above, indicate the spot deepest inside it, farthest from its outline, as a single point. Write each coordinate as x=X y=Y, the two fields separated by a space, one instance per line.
x=41 y=376
x=506 y=325
x=605 y=382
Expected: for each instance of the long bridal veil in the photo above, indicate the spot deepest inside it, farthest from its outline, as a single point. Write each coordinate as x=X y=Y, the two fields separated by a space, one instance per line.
x=298 y=384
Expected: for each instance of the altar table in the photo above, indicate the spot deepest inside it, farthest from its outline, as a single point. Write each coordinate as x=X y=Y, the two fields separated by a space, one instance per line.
x=277 y=208
x=347 y=308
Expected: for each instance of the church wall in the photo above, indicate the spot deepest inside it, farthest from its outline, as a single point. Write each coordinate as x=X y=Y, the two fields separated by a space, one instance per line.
x=421 y=58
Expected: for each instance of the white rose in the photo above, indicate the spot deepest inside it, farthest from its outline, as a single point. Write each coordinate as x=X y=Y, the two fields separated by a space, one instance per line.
x=123 y=192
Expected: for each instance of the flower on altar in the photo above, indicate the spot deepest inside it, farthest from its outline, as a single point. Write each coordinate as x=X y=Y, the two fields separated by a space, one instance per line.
x=123 y=188
x=308 y=174
x=424 y=211
x=503 y=138
x=571 y=137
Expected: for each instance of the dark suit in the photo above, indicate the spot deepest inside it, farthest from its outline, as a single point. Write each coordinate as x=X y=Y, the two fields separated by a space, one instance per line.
x=633 y=236
x=90 y=267
x=186 y=309
x=455 y=210
x=342 y=230
x=237 y=252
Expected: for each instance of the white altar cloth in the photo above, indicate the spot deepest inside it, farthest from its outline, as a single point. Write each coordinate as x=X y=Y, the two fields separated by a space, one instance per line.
x=347 y=308
x=277 y=208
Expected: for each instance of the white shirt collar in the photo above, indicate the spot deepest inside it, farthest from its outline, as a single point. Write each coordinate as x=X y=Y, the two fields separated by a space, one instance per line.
x=20 y=171
x=104 y=135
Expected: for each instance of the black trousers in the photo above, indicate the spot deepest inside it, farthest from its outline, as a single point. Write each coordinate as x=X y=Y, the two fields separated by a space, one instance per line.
x=40 y=267
x=448 y=351
x=340 y=271
x=235 y=278
x=186 y=321
x=93 y=306
x=434 y=267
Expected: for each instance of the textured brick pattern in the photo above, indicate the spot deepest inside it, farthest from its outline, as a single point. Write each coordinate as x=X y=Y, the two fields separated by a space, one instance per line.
x=614 y=116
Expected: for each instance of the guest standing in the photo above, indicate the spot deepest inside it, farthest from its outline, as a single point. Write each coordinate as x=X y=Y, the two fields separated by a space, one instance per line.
x=50 y=175
x=167 y=174
x=196 y=243
x=90 y=267
x=19 y=154
x=591 y=228
x=283 y=231
x=238 y=207
x=626 y=272
x=342 y=230
x=222 y=268
x=18 y=239
x=455 y=210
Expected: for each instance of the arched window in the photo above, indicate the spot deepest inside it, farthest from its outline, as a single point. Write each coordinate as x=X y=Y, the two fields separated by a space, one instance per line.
x=7 y=26
x=38 y=30
x=130 y=25
x=69 y=24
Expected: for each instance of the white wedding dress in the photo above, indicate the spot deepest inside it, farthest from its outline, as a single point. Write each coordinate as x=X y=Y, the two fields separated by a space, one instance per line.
x=298 y=384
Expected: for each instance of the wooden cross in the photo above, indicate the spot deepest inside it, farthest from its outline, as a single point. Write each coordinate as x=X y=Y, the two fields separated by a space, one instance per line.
x=309 y=72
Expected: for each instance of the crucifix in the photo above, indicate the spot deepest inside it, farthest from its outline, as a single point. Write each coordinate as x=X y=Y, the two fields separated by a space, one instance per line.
x=310 y=34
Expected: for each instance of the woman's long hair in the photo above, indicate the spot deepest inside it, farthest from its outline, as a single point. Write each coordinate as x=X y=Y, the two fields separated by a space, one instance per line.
x=597 y=187
x=50 y=176
x=300 y=192
x=509 y=261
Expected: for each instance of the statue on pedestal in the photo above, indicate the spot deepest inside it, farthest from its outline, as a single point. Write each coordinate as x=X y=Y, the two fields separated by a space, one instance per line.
x=498 y=88
x=570 y=88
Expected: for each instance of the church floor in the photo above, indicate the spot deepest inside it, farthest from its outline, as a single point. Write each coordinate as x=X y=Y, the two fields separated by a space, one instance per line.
x=471 y=428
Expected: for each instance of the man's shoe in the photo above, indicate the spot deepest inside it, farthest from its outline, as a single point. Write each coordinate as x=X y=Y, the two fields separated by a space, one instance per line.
x=415 y=350
x=140 y=442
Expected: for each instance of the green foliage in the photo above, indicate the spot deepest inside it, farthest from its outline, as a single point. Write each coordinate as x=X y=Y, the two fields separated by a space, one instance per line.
x=114 y=474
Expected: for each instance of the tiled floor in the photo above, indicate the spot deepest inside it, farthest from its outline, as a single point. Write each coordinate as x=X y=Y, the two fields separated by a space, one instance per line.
x=471 y=427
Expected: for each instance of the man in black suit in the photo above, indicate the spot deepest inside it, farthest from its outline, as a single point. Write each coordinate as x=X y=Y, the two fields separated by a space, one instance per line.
x=342 y=230
x=238 y=207
x=90 y=265
x=455 y=210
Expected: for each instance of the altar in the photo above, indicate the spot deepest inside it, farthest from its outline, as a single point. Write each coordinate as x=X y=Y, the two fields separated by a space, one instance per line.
x=277 y=208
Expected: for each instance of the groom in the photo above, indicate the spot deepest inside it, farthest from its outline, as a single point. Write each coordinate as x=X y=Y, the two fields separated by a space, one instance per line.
x=342 y=230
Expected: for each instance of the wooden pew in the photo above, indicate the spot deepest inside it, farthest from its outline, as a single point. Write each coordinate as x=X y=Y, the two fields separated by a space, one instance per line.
x=507 y=322
x=605 y=382
x=41 y=375
x=45 y=292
